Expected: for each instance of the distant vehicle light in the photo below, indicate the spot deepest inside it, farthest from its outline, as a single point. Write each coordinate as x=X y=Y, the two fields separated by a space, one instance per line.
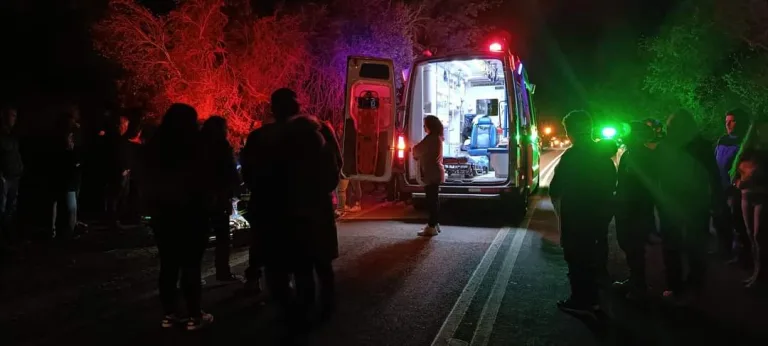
x=547 y=130
x=495 y=47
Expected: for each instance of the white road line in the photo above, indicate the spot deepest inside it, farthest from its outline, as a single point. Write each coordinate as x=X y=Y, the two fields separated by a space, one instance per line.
x=451 y=323
x=547 y=178
x=491 y=308
x=448 y=330
x=552 y=164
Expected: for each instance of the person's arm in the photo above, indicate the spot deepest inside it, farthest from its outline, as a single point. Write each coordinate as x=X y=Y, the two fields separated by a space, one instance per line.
x=418 y=150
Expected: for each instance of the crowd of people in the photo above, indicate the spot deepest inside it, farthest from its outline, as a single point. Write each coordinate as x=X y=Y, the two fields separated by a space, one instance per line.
x=183 y=179
x=670 y=184
x=667 y=183
x=192 y=177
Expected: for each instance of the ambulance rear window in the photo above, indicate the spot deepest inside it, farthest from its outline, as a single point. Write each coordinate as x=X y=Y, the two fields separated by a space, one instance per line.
x=374 y=71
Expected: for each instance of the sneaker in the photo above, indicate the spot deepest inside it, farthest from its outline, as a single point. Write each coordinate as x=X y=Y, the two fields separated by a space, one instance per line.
x=170 y=321
x=356 y=208
x=428 y=232
x=437 y=227
x=199 y=322
x=584 y=310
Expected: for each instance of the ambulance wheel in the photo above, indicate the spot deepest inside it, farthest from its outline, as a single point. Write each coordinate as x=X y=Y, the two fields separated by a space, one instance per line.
x=514 y=205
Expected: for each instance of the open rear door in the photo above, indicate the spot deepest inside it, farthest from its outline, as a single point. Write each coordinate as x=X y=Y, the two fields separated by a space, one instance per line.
x=369 y=119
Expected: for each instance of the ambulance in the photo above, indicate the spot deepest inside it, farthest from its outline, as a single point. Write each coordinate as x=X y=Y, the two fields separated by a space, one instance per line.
x=484 y=100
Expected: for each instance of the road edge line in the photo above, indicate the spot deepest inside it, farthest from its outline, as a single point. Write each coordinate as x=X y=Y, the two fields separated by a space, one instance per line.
x=490 y=311
x=452 y=321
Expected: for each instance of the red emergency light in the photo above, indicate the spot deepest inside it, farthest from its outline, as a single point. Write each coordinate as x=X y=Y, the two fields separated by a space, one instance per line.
x=400 y=147
x=495 y=47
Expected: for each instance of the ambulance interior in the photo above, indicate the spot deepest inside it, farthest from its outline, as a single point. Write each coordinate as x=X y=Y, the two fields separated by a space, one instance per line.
x=469 y=97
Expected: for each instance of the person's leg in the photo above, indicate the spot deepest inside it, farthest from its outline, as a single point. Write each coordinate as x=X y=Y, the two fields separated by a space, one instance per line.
x=169 y=268
x=433 y=201
x=580 y=277
x=759 y=239
x=748 y=214
x=632 y=237
x=219 y=221
x=696 y=249
x=253 y=273
x=191 y=263
x=357 y=193
x=9 y=218
x=278 y=280
x=304 y=276
x=433 y=206
x=741 y=236
x=341 y=191
x=672 y=254
x=327 y=280
x=4 y=231
x=723 y=223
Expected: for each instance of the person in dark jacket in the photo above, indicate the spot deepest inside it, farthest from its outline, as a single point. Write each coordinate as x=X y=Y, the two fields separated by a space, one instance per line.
x=689 y=187
x=11 y=169
x=223 y=180
x=118 y=171
x=732 y=236
x=67 y=172
x=176 y=198
x=582 y=190
x=635 y=216
x=606 y=148
x=327 y=248
x=429 y=153
x=291 y=150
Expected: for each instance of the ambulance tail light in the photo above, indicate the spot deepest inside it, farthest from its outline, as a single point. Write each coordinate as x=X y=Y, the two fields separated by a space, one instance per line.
x=400 y=147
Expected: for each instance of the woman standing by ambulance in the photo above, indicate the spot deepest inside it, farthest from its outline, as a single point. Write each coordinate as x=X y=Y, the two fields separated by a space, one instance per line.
x=429 y=153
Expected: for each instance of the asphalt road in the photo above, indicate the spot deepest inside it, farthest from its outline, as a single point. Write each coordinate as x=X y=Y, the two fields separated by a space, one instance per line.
x=480 y=282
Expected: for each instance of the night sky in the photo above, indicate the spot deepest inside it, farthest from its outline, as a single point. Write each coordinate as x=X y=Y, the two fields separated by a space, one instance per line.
x=566 y=44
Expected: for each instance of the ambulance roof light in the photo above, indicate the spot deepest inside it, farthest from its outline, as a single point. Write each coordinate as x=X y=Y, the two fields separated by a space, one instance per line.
x=495 y=47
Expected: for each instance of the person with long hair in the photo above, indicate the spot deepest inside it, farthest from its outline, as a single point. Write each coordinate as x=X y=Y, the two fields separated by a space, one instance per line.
x=429 y=153
x=688 y=191
x=222 y=180
x=177 y=206
x=749 y=176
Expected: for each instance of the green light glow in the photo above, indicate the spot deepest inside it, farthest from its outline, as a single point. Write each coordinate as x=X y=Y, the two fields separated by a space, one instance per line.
x=608 y=132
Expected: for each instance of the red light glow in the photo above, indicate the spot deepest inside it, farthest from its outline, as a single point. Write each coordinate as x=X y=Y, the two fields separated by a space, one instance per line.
x=495 y=47
x=400 y=147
